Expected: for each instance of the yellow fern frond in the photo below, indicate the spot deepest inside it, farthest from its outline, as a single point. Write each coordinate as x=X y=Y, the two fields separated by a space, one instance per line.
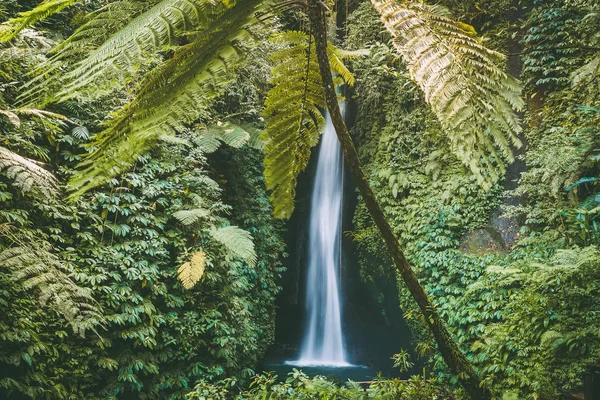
x=189 y=273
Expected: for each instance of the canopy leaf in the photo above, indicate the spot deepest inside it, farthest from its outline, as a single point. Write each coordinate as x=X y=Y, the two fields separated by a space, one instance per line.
x=472 y=97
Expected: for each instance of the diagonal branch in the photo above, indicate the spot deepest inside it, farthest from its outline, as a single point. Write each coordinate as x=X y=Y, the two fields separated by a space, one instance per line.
x=455 y=359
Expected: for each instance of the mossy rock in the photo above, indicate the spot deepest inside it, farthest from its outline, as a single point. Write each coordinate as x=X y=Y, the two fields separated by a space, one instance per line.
x=485 y=240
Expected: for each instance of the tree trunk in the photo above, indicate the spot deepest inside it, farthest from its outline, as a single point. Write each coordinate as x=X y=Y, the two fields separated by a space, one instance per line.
x=456 y=360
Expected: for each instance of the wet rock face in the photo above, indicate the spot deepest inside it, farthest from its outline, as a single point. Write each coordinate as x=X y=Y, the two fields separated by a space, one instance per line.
x=506 y=227
x=482 y=241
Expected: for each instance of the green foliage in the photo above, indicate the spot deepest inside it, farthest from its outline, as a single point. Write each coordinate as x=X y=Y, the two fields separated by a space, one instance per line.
x=473 y=98
x=552 y=38
x=171 y=252
x=237 y=241
x=27 y=174
x=512 y=320
x=186 y=52
x=119 y=249
x=293 y=110
x=211 y=138
x=402 y=361
x=174 y=94
x=32 y=265
x=158 y=337
x=547 y=332
x=113 y=58
x=12 y=27
x=299 y=386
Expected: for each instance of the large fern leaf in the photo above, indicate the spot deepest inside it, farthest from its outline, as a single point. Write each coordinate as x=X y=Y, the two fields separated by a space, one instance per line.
x=233 y=135
x=118 y=40
x=473 y=98
x=33 y=265
x=116 y=59
x=189 y=273
x=293 y=110
x=171 y=96
x=46 y=8
x=27 y=174
x=237 y=241
x=588 y=75
x=193 y=215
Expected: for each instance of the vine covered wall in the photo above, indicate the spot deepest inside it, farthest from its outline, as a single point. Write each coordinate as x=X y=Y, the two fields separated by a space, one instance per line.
x=523 y=313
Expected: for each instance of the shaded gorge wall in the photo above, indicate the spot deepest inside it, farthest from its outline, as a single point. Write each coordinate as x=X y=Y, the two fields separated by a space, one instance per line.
x=373 y=325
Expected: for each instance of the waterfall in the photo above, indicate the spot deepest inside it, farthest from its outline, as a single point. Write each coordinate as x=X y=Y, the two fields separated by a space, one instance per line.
x=323 y=342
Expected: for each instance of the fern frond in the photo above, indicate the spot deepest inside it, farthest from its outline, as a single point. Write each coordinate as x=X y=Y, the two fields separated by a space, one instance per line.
x=13 y=118
x=49 y=78
x=337 y=56
x=293 y=119
x=27 y=47
x=293 y=114
x=237 y=241
x=190 y=272
x=28 y=174
x=255 y=141
x=34 y=266
x=472 y=97
x=117 y=58
x=12 y=27
x=174 y=94
x=587 y=73
x=13 y=115
x=233 y=135
x=189 y=217
x=43 y=114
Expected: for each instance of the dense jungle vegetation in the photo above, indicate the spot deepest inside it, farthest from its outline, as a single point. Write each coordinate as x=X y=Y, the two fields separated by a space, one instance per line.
x=149 y=153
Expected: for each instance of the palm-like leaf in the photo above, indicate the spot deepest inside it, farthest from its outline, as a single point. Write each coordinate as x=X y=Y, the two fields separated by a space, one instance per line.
x=472 y=97
x=237 y=241
x=233 y=135
x=189 y=217
x=588 y=74
x=27 y=174
x=293 y=110
x=12 y=27
x=35 y=267
x=171 y=96
x=110 y=63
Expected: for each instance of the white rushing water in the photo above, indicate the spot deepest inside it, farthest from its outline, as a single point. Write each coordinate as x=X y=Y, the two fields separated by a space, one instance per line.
x=323 y=343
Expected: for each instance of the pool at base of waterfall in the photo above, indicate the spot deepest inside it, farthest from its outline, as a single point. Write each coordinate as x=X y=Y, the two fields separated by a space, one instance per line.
x=335 y=373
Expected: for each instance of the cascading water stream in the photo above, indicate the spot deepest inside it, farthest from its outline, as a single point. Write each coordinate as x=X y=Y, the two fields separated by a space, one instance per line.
x=323 y=343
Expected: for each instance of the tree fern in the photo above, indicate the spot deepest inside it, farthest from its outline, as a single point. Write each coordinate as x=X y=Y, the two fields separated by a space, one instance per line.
x=114 y=60
x=12 y=27
x=587 y=78
x=211 y=138
x=34 y=266
x=13 y=115
x=193 y=215
x=174 y=94
x=27 y=174
x=473 y=98
x=293 y=110
x=189 y=273
x=237 y=241
x=102 y=25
